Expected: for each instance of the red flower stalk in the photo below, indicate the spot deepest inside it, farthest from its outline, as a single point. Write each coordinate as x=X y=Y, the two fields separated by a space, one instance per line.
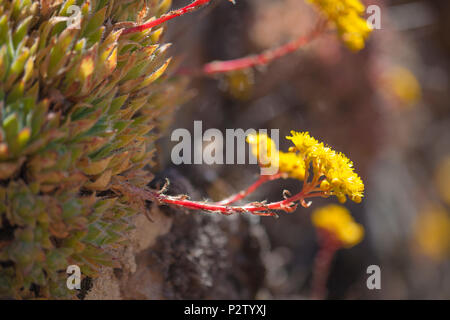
x=329 y=244
x=289 y=204
x=265 y=57
x=169 y=16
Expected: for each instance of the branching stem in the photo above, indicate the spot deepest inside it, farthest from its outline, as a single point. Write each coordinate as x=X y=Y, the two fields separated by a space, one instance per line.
x=256 y=208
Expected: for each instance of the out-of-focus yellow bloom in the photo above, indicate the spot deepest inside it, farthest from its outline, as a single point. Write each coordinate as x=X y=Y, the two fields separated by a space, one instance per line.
x=432 y=232
x=240 y=83
x=403 y=85
x=336 y=170
x=265 y=150
x=347 y=16
x=442 y=178
x=338 y=220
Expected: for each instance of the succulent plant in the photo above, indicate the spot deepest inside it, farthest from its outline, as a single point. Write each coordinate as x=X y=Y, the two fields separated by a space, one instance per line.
x=81 y=105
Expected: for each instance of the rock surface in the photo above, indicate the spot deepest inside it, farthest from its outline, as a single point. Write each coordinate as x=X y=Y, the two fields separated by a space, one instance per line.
x=185 y=255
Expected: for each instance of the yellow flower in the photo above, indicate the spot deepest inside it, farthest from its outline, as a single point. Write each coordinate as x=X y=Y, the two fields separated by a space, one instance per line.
x=338 y=220
x=240 y=83
x=432 y=232
x=347 y=16
x=332 y=170
x=292 y=164
x=402 y=83
x=335 y=169
x=265 y=150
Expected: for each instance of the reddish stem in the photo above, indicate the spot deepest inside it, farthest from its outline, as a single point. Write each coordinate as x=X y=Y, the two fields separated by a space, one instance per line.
x=169 y=16
x=265 y=57
x=256 y=208
x=251 y=189
x=329 y=244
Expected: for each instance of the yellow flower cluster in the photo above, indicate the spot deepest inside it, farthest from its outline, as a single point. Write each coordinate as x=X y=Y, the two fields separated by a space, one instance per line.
x=338 y=220
x=347 y=16
x=335 y=169
x=265 y=150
